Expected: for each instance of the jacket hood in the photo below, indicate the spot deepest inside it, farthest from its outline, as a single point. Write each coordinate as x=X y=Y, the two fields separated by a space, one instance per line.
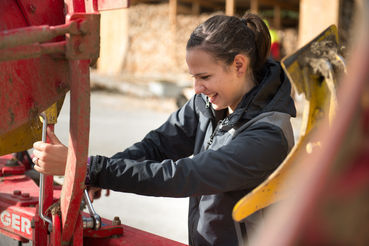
x=273 y=93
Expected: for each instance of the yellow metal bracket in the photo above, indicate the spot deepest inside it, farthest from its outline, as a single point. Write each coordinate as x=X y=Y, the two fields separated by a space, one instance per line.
x=313 y=70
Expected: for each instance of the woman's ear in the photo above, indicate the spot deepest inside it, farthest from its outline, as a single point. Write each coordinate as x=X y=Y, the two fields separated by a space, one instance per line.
x=241 y=64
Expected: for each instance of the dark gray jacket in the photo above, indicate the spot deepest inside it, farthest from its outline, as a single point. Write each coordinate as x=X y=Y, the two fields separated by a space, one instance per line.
x=215 y=164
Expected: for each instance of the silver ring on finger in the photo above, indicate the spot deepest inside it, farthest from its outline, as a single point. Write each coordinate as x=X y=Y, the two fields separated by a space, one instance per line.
x=35 y=160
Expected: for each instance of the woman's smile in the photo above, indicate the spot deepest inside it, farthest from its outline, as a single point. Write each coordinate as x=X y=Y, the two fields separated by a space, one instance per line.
x=212 y=98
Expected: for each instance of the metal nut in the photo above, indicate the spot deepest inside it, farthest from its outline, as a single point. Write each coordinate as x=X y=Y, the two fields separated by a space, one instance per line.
x=17 y=192
x=116 y=221
x=25 y=195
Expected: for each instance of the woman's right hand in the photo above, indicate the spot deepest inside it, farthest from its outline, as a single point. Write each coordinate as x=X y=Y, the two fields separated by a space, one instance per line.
x=93 y=192
x=52 y=157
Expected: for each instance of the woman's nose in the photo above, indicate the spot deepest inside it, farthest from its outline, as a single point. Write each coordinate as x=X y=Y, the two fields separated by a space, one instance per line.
x=198 y=87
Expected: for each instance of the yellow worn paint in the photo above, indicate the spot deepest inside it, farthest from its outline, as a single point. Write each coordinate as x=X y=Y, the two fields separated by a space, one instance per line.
x=320 y=95
x=23 y=137
x=51 y=114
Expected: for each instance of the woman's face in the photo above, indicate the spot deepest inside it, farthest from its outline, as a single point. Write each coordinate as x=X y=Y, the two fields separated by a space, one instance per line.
x=224 y=84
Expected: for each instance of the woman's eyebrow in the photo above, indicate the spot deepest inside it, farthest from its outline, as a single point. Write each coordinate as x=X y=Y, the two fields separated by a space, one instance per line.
x=199 y=74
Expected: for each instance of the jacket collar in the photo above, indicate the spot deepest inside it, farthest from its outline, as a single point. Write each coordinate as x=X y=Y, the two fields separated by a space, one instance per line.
x=271 y=94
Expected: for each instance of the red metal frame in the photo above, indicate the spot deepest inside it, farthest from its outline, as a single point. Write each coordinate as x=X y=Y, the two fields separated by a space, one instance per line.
x=14 y=169
x=51 y=54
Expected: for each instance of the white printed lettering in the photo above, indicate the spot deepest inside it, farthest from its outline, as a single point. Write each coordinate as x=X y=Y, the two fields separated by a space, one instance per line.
x=5 y=218
x=26 y=225
x=16 y=222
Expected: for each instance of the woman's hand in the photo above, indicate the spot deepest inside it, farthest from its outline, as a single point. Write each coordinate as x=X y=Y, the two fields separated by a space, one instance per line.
x=93 y=192
x=51 y=157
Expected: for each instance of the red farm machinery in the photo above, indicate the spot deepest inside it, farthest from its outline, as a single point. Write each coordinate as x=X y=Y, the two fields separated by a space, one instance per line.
x=46 y=48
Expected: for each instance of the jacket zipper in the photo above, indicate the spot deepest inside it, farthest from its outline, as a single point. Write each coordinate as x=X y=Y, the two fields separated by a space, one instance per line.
x=207 y=102
x=213 y=134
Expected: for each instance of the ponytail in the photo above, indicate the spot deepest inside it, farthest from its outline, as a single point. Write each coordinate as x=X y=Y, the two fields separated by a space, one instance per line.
x=261 y=37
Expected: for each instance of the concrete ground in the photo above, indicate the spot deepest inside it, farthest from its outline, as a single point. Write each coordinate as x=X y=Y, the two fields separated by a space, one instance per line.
x=117 y=122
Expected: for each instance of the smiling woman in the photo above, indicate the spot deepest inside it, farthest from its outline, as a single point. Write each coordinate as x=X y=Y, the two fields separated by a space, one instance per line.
x=239 y=46
x=210 y=76
x=221 y=144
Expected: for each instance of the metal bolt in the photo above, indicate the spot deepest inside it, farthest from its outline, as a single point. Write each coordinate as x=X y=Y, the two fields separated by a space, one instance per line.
x=83 y=27
x=25 y=195
x=82 y=47
x=17 y=192
x=116 y=221
x=32 y=8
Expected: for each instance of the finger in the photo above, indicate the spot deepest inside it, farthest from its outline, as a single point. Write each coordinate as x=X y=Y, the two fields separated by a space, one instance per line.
x=38 y=168
x=97 y=194
x=41 y=167
x=45 y=154
x=38 y=154
x=91 y=195
x=52 y=137
x=35 y=160
x=39 y=145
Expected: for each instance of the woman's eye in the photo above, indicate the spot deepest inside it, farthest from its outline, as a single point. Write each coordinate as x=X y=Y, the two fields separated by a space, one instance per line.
x=205 y=77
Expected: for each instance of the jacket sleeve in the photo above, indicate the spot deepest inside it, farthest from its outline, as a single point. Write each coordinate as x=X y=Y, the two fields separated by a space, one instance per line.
x=242 y=164
x=172 y=140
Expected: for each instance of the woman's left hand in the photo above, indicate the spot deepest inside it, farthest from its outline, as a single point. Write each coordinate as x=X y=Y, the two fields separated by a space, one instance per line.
x=50 y=158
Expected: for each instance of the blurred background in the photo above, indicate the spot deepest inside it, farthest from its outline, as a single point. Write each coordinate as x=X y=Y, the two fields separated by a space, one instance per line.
x=146 y=42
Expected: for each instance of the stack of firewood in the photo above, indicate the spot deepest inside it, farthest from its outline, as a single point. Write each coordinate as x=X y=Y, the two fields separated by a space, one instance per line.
x=155 y=48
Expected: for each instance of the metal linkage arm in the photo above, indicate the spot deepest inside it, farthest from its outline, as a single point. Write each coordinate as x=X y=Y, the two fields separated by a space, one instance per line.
x=81 y=41
x=42 y=177
x=35 y=34
x=32 y=51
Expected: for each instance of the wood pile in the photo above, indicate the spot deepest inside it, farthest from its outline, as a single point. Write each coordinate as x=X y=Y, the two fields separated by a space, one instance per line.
x=155 y=49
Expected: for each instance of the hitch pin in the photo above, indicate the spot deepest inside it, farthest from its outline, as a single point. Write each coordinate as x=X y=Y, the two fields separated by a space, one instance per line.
x=42 y=177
